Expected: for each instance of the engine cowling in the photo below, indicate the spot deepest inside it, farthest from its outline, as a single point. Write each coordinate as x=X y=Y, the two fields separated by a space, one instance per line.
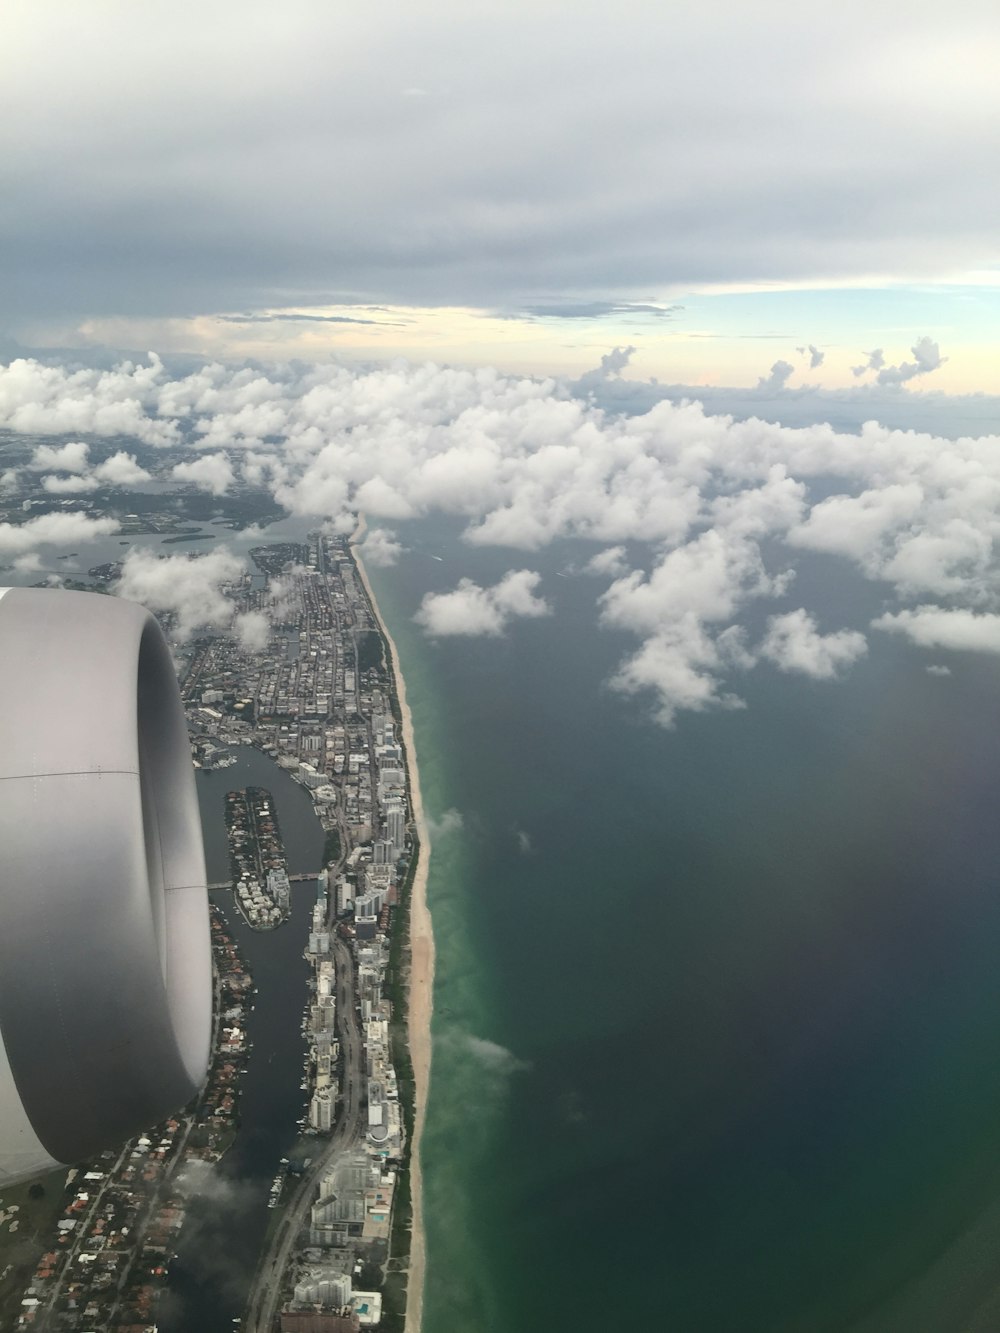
x=105 y=957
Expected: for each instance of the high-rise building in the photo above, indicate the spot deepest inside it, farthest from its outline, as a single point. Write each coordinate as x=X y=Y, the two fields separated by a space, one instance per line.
x=321 y=1110
x=395 y=823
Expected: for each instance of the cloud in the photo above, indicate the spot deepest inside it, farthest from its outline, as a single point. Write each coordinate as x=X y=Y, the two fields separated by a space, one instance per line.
x=875 y=361
x=781 y=371
x=793 y=643
x=494 y=1057
x=380 y=548
x=935 y=670
x=816 y=357
x=707 y=578
x=654 y=189
x=717 y=507
x=927 y=357
x=598 y=310
x=611 y=366
x=9 y=481
x=187 y=588
x=53 y=529
x=935 y=627
x=472 y=610
x=69 y=485
x=450 y=822
x=524 y=844
x=293 y=318
x=680 y=665
x=216 y=1201
x=37 y=399
x=212 y=473
x=121 y=469
x=609 y=562
x=253 y=630
x=71 y=457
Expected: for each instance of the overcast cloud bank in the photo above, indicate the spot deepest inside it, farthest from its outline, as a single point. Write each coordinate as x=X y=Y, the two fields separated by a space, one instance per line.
x=340 y=179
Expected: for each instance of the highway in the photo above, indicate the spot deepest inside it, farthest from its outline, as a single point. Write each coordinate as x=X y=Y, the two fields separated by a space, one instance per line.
x=265 y=1295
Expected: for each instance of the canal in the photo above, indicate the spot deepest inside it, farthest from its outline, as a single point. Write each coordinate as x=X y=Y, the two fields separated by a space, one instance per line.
x=228 y=1216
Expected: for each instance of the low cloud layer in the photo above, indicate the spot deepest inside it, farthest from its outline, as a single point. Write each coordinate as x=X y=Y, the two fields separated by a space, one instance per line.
x=471 y=610
x=698 y=521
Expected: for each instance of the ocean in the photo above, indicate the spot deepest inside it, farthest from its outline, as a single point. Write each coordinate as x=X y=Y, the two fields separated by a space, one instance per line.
x=717 y=1008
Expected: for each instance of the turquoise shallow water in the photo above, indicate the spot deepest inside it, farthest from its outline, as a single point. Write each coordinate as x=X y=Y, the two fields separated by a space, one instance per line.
x=717 y=1025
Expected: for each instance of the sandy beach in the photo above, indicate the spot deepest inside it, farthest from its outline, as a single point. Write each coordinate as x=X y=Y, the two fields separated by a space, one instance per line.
x=422 y=968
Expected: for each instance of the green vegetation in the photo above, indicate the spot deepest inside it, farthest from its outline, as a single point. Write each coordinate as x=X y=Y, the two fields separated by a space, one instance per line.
x=397 y=990
x=331 y=846
x=39 y=1205
x=371 y=651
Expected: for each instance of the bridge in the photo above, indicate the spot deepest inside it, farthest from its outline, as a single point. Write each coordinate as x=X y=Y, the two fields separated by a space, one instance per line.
x=292 y=879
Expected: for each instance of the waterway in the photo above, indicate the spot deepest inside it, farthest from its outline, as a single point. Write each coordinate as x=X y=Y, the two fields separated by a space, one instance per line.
x=225 y=1228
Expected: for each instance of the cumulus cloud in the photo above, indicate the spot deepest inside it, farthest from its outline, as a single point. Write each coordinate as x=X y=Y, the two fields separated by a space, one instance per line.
x=72 y=457
x=472 y=610
x=188 y=588
x=611 y=365
x=794 y=643
x=610 y=562
x=212 y=473
x=875 y=360
x=69 y=485
x=8 y=481
x=55 y=530
x=779 y=376
x=937 y=670
x=253 y=630
x=37 y=399
x=935 y=627
x=926 y=357
x=680 y=666
x=380 y=548
x=121 y=469
x=816 y=357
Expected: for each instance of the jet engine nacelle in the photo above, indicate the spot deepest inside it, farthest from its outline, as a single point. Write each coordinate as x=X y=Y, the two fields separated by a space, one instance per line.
x=105 y=956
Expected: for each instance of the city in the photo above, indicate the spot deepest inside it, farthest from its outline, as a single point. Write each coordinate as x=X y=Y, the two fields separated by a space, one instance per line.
x=319 y=698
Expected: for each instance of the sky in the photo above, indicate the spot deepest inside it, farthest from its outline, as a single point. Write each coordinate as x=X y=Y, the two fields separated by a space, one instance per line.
x=722 y=186
x=711 y=286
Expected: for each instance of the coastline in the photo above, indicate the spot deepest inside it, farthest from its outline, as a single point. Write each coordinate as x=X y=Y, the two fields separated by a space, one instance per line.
x=421 y=988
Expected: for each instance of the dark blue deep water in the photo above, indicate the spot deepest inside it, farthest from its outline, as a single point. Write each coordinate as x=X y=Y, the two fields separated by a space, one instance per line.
x=717 y=1027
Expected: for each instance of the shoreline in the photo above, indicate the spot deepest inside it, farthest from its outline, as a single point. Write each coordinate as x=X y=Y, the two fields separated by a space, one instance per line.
x=421 y=989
